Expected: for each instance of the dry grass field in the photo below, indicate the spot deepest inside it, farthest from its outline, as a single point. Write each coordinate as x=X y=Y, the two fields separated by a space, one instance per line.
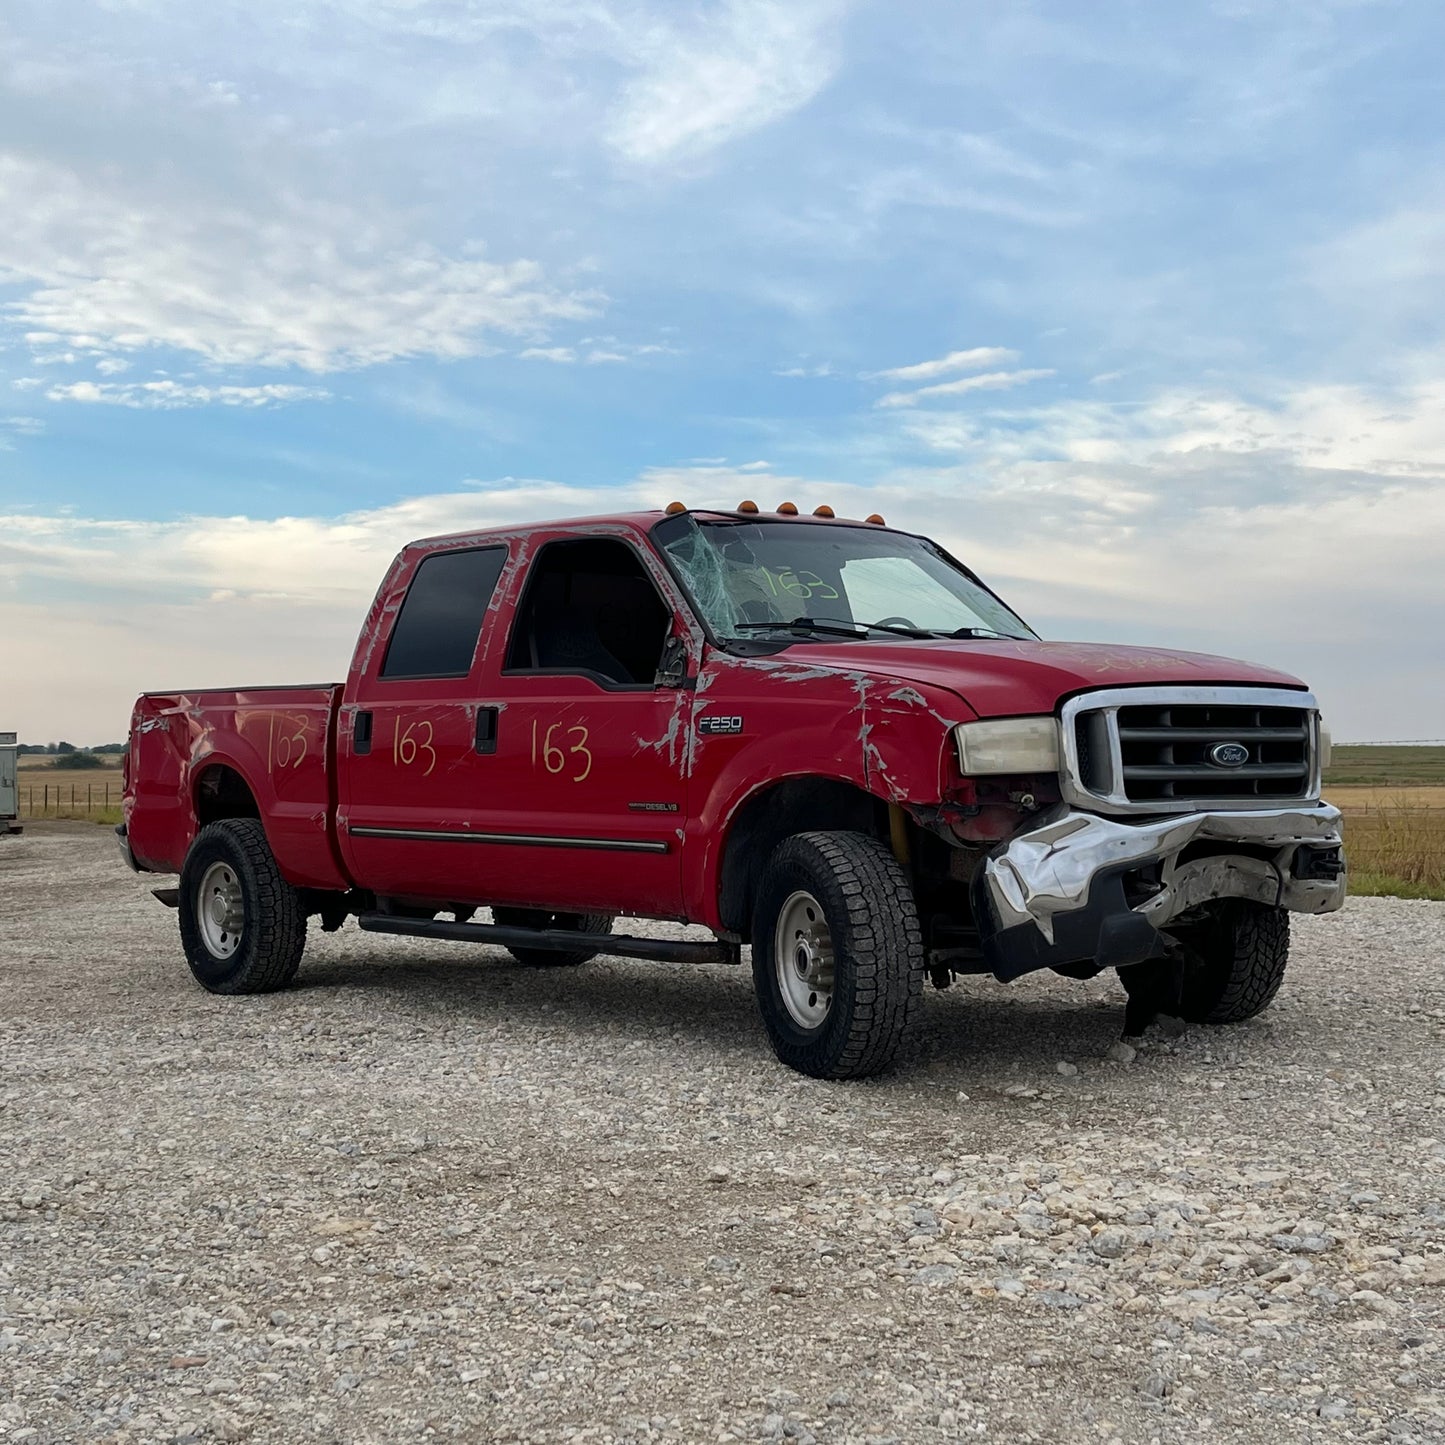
x=1393 y=799
x=48 y=789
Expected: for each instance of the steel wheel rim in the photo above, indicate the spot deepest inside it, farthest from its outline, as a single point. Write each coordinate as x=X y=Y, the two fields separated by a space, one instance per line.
x=803 y=959
x=220 y=910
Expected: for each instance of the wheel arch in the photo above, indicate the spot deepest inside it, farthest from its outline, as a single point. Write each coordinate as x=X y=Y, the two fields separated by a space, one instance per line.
x=776 y=811
x=220 y=790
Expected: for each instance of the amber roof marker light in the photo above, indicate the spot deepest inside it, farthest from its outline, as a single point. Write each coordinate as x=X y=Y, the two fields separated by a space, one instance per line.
x=787 y=509
x=673 y=508
x=746 y=506
x=824 y=511
x=877 y=520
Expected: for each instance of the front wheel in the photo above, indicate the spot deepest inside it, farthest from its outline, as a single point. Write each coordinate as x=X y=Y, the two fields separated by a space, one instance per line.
x=838 y=956
x=1233 y=962
x=243 y=927
x=552 y=922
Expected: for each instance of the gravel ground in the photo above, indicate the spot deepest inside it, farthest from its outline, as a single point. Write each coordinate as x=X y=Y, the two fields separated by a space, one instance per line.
x=427 y=1193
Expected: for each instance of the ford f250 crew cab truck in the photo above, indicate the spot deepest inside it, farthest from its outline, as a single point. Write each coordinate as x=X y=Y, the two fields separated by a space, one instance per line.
x=823 y=738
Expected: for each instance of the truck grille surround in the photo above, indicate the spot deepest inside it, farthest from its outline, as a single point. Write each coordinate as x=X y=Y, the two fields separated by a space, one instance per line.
x=1162 y=750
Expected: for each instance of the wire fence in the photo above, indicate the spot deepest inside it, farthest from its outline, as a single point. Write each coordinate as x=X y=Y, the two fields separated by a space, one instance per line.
x=67 y=800
x=1395 y=743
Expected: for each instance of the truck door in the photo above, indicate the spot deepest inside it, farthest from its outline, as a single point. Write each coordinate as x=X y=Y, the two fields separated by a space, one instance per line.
x=538 y=764
x=593 y=721
x=408 y=774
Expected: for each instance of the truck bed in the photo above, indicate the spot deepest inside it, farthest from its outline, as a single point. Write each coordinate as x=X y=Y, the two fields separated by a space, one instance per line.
x=186 y=746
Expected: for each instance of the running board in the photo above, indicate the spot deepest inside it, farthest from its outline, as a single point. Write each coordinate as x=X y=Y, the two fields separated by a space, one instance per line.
x=618 y=945
x=171 y=897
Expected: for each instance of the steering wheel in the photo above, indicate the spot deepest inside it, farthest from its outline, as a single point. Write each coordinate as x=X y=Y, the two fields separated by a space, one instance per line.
x=897 y=622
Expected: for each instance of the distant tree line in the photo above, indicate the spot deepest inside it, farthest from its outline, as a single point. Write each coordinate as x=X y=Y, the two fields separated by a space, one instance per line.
x=74 y=757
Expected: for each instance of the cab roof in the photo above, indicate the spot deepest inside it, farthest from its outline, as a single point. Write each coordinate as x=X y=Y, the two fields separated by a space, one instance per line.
x=642 y=521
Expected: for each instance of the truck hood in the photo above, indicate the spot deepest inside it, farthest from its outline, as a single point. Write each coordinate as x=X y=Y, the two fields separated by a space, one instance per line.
x=1018 y=679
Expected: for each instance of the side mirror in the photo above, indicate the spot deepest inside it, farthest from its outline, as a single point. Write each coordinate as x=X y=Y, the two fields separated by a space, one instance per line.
x=672 y=666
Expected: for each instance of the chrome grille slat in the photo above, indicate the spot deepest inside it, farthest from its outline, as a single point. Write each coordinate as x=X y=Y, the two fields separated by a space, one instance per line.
x=1211 y=775
x=1178 y=735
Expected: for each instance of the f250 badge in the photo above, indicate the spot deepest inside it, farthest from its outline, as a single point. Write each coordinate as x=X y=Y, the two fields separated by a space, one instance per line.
x=717 y=724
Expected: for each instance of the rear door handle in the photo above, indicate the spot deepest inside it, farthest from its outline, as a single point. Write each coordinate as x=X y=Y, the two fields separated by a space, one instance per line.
x=361 y=733
x=487 y=729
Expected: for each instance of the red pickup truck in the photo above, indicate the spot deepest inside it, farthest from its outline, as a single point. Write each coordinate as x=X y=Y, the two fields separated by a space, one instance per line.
x=823 y=738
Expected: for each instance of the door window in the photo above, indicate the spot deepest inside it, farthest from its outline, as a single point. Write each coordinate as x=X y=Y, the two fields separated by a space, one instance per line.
x=590 y=608
x=437 y=628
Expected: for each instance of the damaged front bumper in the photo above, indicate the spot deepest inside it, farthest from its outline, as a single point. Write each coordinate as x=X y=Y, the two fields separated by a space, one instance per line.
x=1080 y=888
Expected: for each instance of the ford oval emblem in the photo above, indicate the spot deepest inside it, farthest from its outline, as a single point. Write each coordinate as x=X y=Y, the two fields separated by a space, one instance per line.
x=1228 y=755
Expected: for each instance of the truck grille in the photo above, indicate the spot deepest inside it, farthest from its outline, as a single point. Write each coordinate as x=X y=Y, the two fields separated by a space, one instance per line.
x=1152 y=748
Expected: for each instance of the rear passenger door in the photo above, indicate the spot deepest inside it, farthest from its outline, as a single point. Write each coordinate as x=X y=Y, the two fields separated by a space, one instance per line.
x=411 y=779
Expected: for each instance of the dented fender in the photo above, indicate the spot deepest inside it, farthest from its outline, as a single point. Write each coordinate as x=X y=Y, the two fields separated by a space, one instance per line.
x=884 y=735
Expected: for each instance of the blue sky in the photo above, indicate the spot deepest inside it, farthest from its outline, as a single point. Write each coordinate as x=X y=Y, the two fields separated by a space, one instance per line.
x=1138 y=307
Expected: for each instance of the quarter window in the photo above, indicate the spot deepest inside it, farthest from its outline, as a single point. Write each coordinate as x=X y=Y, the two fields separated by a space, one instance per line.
x=440 y=621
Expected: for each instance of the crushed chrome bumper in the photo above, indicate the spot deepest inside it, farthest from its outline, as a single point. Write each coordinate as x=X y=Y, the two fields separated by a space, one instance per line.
x=1057 y=892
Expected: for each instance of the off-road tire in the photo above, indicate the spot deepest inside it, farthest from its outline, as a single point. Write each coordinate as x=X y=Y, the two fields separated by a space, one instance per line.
x=569 y=922
x=1235 y=961
x=878 y=956
x=273 y=931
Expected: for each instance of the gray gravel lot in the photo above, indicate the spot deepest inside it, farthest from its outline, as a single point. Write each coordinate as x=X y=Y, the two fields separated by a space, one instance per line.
x=430 y=1193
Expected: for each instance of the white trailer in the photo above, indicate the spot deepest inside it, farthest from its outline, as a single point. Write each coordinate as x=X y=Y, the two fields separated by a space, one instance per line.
x=9 y=788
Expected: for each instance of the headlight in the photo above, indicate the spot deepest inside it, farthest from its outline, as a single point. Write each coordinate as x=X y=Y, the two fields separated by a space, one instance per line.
x=1008 y=745
x=1326 y=745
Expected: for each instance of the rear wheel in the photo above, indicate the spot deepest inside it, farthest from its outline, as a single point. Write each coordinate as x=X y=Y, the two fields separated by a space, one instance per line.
x=838 y=955
x=243 y=927
x=565 y=922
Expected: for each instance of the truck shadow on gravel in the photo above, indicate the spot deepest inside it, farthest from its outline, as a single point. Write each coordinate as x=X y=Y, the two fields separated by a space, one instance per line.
x=977 y=1032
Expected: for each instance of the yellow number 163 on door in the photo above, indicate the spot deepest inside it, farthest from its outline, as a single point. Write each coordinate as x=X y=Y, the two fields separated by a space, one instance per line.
x=553 y=757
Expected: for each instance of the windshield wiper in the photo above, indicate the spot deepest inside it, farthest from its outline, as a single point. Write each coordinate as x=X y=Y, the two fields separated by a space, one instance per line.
x=801 y=624
x=967 y=632
x=834 y=626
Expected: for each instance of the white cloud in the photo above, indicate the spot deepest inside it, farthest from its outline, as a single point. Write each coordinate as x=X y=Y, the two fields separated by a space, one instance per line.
x=988 y=381
x=749 y=63
x=18 y=426
x=974 y=359
x=1331 y=430
x=303 y=284
x=171 y=395
x=609 y=351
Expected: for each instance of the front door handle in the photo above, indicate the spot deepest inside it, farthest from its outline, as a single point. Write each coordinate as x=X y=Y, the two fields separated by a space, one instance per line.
x=487 y=729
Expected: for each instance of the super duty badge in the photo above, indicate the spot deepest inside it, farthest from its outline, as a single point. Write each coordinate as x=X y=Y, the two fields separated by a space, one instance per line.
x=718 y=724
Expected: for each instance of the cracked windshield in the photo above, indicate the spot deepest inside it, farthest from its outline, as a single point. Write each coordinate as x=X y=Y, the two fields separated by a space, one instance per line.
x=752 y=578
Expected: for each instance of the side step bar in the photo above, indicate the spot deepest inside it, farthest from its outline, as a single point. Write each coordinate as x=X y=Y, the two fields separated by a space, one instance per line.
x=618 y=945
